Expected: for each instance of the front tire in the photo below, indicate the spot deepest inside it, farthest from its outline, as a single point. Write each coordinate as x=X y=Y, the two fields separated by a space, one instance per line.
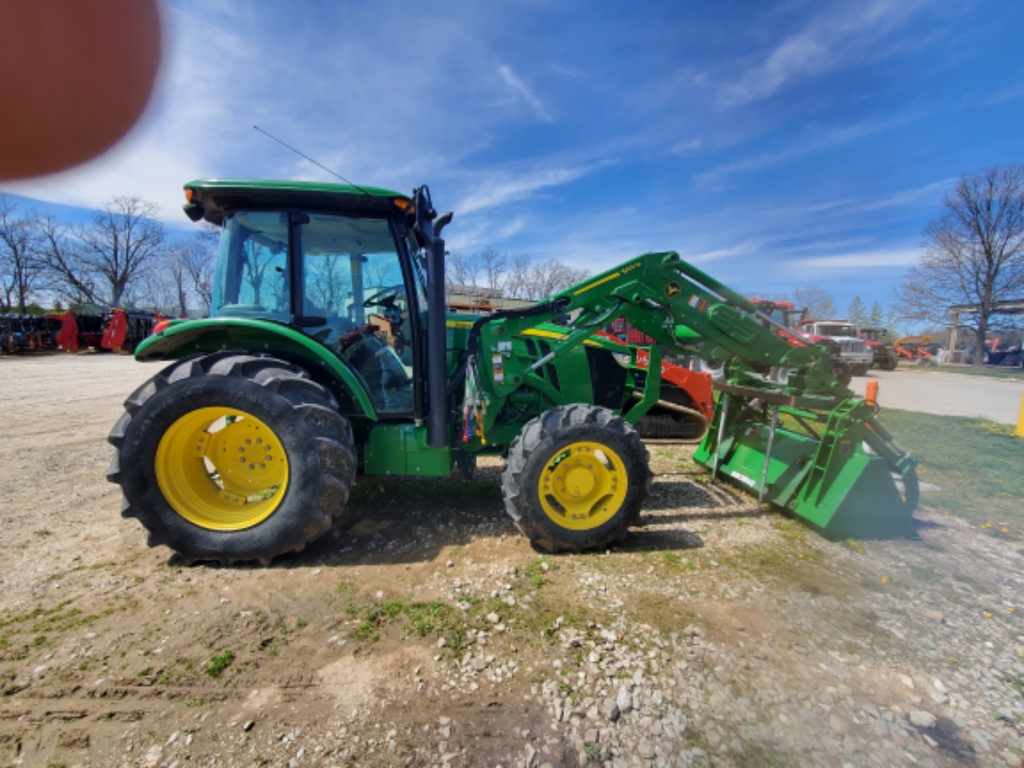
x=576 y=478
x=231 y=457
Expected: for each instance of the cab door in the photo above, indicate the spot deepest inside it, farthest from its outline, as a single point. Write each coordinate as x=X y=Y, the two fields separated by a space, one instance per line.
x=354 y=299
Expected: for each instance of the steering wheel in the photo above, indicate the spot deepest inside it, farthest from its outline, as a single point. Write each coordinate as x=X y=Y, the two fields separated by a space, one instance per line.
x=386 y=297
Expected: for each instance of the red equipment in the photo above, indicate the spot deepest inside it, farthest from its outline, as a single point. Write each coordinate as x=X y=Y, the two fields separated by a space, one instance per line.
x=67 y=336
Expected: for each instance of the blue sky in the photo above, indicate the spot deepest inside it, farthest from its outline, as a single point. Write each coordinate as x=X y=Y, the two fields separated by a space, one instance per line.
x=774 y=145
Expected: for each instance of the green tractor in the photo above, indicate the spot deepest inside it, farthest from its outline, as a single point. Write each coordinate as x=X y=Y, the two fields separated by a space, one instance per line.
x=329 y=351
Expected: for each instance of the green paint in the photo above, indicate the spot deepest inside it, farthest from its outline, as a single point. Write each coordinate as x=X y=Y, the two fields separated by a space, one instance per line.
x=830 y=481
x=215 y=334
x=401 y=449
x=273 y=186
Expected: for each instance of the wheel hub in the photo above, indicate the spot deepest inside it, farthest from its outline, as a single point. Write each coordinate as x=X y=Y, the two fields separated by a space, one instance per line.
x=583 y=486
x=222 y=468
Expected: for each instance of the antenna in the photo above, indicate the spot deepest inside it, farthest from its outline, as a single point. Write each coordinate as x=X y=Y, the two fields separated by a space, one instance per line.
x=314 y=162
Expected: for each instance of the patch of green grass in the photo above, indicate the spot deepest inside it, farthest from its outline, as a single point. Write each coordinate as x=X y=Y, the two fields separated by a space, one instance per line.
x=756 y=755
x=536 y=570
x=925 y=573
x=965 y=579
x=1017 y=683
x=675 y=562
x=422 y=618
x=976 y=464
x=217 y=664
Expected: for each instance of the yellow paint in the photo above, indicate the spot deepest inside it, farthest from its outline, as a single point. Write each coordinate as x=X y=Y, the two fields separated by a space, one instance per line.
x=1020 y=418
x=240 y=451
x=460 y=324
x=583 y=486
x=553 y=335
x=596 y=283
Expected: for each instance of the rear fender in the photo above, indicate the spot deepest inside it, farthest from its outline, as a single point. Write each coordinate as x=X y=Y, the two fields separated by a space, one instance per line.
x=181 y=339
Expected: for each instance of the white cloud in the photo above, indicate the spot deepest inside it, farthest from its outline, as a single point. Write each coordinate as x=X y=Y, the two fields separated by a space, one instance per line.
x=1009 y=93
x=495 y=187
x=516 y=84
x=817 y=140
x=686 y=147
x=831 y=40
x=897 y=258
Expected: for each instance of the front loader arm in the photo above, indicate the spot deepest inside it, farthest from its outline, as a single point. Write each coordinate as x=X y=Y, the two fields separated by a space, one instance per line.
x=674 y=303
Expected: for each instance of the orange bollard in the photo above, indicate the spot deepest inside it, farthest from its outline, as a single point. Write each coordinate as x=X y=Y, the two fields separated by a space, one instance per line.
x=871 y=393
x=1020 y=418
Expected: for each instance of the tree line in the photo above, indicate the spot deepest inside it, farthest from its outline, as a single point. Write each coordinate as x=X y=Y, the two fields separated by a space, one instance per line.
x=514 y=277
x=122 y=257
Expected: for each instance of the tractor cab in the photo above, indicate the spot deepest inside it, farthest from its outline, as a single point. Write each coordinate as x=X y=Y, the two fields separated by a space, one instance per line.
x=335 y=266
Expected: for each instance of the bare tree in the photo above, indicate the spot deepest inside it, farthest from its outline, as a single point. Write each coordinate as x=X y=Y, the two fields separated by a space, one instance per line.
x=20 y=270
x=461 y=269
x=195 y=261
x=517 y=280
x=550 y=277
x=973 y=253
x=816 y=300
x=100 y=262
x=494 y=267
x=59 y=253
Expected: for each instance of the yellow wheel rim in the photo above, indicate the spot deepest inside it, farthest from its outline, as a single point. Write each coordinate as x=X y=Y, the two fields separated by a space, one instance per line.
x=222 y=469
x=583 y=486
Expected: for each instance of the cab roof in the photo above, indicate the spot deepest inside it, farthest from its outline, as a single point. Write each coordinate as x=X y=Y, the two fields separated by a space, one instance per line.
x=219 y=197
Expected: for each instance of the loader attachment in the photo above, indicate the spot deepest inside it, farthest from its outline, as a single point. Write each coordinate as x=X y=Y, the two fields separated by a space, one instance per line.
x=837 y=469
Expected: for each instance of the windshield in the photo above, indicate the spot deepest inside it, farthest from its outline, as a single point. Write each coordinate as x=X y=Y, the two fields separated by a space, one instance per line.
x=252 y=265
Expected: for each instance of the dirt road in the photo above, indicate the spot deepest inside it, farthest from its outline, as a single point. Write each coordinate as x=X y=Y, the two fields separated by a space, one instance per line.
x=947 y=394
x=431 y=634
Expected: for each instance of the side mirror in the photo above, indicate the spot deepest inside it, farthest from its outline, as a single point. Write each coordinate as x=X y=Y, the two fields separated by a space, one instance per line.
x=423 y=217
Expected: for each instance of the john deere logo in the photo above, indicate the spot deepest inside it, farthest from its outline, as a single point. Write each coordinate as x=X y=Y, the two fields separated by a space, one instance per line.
x=672 y=289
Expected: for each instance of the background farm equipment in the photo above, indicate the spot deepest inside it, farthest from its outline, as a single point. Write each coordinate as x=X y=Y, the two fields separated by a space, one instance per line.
x=20 y=333
x=915 y=349
x=879 y=341
x=247 y=445
x=786 y=314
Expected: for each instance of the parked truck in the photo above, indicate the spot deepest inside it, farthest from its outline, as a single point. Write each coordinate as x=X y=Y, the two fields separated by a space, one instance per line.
x=853 y=348
x=328 y=353
x=882 y=346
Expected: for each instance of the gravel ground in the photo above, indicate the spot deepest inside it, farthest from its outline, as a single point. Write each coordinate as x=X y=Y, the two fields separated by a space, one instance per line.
x=431 y=634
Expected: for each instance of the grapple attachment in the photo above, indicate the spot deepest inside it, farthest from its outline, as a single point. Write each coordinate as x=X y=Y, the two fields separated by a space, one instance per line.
x=837 y=469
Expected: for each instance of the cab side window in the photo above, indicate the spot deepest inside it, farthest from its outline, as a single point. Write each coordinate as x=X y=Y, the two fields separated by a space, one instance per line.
x=352 y=277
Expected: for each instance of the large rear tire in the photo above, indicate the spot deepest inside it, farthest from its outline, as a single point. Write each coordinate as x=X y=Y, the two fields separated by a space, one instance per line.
x=231 y=457
x=576 y=478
